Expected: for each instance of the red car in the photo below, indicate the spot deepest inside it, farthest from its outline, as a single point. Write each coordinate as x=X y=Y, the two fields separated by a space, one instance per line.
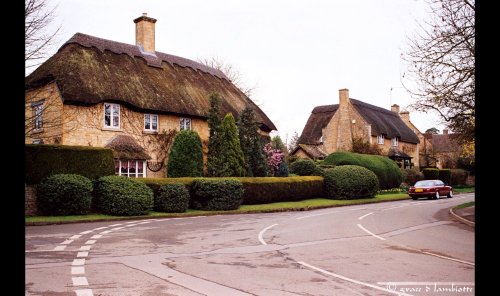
x=430 y=189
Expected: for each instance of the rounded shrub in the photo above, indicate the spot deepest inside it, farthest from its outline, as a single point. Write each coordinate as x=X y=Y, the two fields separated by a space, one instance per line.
x=411 y=176
x=445 y=176
x=172 y=198
x=388 y=173
x=303 y=167
x=116 y=195
x=186 y=156
x=64 y=194
x=216 y=194
x=350 y=182
x=431 y=174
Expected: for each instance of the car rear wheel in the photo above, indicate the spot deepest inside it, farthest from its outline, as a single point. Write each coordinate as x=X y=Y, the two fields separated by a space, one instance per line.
x=450 y=194
x=437 y=195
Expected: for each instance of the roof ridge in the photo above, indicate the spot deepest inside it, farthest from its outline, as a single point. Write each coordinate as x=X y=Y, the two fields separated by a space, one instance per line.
x=152 y=59
x=376 y=108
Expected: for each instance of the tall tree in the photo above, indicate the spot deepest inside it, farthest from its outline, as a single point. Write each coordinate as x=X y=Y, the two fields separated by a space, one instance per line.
x=230 y=150
x=277 y=143
x=432 y=130
x=186 y=155
x=214 y=161
x=442 y=64
x=294 y=142
x=38 y=40
x=251 y=144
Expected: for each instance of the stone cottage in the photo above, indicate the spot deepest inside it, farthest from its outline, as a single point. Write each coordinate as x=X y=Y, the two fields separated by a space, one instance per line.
x=103 y=93
x=332 y=128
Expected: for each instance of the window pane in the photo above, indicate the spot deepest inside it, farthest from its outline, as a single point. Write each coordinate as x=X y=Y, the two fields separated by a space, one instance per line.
x=140 y=168
x=131 y=169
x=107 y=115
x=117 y=166
x=182 y=123
x=188 y=124
x=146 y=122
x=154 y=122
x=124 y=168
x=116 y=115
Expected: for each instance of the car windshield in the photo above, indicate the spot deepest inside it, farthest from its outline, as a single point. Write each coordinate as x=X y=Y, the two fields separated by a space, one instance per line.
x=425 y=183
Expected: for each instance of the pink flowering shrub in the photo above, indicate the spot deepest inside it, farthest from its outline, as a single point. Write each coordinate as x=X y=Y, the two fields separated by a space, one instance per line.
x=274 y=158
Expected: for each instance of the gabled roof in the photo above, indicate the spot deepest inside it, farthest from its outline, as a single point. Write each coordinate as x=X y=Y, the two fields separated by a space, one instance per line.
x=313 y=151
x=382 y=121
x=89 y=70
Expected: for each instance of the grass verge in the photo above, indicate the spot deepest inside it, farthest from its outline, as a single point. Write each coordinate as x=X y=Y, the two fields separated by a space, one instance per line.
x=464 y=190
x=465 y=205
x=310 y=204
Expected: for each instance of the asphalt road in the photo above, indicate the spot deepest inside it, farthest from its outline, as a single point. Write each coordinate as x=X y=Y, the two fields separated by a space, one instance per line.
x=394 y=248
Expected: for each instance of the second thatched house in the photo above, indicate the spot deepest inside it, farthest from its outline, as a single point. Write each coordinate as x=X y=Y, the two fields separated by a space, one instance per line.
x=103 y=93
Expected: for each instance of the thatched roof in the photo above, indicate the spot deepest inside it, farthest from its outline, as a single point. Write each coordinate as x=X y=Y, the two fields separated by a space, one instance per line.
x=319 y=118
x=313 y=151
x=125 y=147
x=382 y=121
x=89 y=70
x=397 y=153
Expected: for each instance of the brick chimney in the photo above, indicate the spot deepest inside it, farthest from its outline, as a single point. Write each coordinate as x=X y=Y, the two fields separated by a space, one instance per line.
x=445 y=131
x=395 y=108
x=405 y=115
x=344 y=132
x=145 y=32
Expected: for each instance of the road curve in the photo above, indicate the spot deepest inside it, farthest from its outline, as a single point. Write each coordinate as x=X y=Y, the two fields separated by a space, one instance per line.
x=395 y=248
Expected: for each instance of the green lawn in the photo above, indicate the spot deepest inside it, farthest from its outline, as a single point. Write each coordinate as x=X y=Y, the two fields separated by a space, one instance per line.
x=303 y=205
x=465 y=205
x=463 y=190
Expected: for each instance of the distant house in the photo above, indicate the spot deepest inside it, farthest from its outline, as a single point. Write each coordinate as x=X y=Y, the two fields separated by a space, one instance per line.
x=446 y=149
x=98 y=92
x=332 y=128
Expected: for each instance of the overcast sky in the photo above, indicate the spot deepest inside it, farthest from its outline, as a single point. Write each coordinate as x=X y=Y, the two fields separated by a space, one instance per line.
x=297 y=54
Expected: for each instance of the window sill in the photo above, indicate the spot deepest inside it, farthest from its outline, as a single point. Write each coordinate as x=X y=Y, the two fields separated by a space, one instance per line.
x=37 y=131
x=150 y=132
x=111 y=129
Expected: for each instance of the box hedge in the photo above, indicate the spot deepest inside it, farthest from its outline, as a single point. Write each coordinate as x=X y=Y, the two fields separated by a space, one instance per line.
x=431 y=173
x=445 y=176
x=221 y=194
x=42 y=161
x=458 y=177
x=303 y=167
x=259 y=190
x=172 y=198
x=388 y=173
x=350 y=182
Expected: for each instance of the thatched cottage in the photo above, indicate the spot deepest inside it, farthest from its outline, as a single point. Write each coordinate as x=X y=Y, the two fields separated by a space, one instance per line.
x=332 y=128
x=103 y=93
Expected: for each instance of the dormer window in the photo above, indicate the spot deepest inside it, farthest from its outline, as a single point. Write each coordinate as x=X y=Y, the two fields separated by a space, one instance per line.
x=151 y=122
x=380 y=139
x=185 y=123
x=394 y=142
x=111 y=115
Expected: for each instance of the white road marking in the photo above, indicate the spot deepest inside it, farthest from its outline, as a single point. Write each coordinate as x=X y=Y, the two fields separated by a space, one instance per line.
x=77 y=262
x=90 y=242
x=352 y=280
x=130 y=225
x=59 y=248
x=114 y=225
x=328 y=213
x=97 y=236
x=370 y=233
x=104 y=227
x=86 y=232
x=78 y=270
x=105 y=232
x=144 y=222
x=67 y=242
x=76 y=236
x=116 y=228
x=82 y=254
x=84 y=292
x=80 y=281
x=362 y=217
x=261 y=233
x=449 y=258
x=85 y=248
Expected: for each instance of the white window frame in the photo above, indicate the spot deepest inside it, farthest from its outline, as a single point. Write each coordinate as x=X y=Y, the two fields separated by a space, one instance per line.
x=185 y=123
x=37 y=116
x=132 y=175
x=380 y=139
x=111 y=119
x=394 y=142
x=150 y=117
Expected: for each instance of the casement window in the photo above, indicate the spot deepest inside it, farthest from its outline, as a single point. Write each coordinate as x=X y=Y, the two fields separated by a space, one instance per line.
x=185 y=123
x=380 y=139
x=37 y=116
x=394 y=142
x=130 y=168
x=111 y=115
x=151 y=122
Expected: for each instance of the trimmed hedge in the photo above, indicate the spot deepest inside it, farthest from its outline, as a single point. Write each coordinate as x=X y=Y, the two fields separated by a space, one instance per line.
x=445 y=176
x=117 y=195
x=172 y=198
x=42 y=161
x=388 y=173
x=216 y=195
x=458 y=177
x=411 y=176
x=350 y=182
x=258 y=190
x=64 y=194
x=430 y=174
x=303 y=167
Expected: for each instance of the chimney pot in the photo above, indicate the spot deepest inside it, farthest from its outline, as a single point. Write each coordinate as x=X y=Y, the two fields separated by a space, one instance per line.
x=395 y=108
